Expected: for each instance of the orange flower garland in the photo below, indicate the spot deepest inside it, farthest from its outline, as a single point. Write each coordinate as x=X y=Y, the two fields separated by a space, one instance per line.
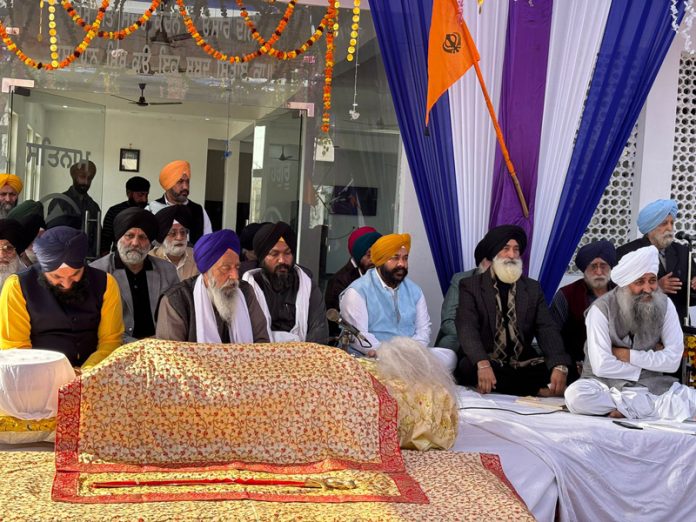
x=111 y=35
x=328 y=72
x=54 y=65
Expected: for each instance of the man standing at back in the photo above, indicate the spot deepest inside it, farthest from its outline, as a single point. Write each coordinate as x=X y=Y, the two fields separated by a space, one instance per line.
x=137 y=190
x=292 y=303
x=656 y=223
x=10 y=187
x=175 y=178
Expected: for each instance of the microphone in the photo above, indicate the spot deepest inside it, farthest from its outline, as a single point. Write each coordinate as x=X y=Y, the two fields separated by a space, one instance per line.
x=333 y=316
x=684 y=236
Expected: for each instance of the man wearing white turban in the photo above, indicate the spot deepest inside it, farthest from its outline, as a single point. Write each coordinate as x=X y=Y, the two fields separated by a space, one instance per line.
x=656 y=223
x=633 y=336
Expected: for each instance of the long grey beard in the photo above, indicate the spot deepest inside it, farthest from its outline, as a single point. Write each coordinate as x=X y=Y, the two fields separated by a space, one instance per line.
x=642 y=318
x=5 y=209
x=223 y=299
x=7 y=269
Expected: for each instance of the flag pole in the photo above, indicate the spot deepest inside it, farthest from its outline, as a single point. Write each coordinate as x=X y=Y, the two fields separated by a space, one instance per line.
x=501 y=141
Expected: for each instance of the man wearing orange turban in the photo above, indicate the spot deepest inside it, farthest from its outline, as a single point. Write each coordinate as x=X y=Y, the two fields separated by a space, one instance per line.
x=10 y=187
x=384 y=304
x=175 y=179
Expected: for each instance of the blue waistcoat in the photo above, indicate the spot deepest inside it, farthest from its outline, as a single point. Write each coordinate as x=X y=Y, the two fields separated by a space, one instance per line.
x=391 y=312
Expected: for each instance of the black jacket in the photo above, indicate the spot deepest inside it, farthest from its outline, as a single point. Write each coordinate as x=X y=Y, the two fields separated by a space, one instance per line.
x=476 y=319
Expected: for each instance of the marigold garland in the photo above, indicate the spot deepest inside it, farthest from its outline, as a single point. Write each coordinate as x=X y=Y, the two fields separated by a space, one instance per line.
x=328 y=71
x=55 y=64
x=111 y=35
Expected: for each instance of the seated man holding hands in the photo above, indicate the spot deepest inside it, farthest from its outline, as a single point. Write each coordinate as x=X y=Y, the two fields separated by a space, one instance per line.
x=633 y=336
x=384 y=304
x=500 y=312
x=60 y=304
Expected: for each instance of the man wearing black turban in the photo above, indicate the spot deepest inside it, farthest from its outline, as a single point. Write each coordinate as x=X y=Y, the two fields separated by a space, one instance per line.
x=293 y=304
x=10 y=248
x=60 y=304
x=137 y=190
x=500 y=312
x=175 y=223
x=141 y=278
x=595 y=261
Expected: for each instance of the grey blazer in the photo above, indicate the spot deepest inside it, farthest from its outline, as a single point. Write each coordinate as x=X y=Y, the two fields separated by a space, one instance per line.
x=162 y=276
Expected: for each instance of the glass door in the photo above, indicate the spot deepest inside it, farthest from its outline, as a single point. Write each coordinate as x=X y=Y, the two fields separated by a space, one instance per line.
x=277 y=169
x=57 y=149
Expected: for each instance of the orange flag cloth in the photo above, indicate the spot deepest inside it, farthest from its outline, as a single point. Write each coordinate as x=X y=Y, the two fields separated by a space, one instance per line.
x=451 y=51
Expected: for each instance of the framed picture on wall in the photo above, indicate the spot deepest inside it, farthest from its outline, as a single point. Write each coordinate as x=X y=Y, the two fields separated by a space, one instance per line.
x=129 y=160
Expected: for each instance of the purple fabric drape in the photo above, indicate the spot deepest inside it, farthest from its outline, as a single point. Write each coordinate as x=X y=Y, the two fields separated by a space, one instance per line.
x=521 y=111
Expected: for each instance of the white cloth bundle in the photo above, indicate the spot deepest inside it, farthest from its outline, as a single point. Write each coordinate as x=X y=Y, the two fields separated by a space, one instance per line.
x=29 y=382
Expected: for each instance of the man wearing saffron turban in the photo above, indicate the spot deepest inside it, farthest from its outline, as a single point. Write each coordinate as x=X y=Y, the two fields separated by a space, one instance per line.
x=215 y=306
x=10 y=187
x=141 y=278
x=175 y=178
x=656 y=223
x=384 y=303
x=292 y=303
x=60 y=304
x=633 y=336
x=500 y=312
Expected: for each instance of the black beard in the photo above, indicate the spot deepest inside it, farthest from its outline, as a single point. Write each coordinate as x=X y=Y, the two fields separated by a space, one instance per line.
x=280 y=282
x=82 y=189
x=78 y=293
x=390 y=277
x=136 y=203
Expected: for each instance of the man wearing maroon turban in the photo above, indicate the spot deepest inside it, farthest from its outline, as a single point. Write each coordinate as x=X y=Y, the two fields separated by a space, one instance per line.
x=215 y=306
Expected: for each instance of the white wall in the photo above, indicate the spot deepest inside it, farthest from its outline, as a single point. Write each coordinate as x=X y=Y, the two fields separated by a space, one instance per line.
x=160 y=140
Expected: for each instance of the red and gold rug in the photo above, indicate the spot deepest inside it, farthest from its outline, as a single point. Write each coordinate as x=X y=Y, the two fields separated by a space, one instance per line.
x=167 y=410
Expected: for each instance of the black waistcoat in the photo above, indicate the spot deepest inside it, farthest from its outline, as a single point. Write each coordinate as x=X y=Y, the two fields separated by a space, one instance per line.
x=196 y=230
x=71 y=330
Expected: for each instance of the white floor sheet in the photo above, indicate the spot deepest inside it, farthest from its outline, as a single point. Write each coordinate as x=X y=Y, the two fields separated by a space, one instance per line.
x=601 y=471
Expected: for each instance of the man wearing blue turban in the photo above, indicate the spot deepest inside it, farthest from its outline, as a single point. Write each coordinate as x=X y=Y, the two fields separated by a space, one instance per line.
x=656 y=223
x=215 y=306
x=60 y=304
x=595 y=260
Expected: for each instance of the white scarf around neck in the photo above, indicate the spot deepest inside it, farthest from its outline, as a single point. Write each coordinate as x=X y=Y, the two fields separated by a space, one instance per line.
x=206 y=325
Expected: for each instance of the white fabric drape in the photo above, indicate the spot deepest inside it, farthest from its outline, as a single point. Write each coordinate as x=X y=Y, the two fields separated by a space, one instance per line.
x=577 y=28
x=473 y=136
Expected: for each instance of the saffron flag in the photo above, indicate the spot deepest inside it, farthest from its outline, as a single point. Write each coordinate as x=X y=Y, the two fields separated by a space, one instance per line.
x=451 y=51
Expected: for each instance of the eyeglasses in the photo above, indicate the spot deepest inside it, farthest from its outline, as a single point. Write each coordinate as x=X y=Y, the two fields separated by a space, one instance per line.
x=599 y=266
x=7 y=250
x=182 y=232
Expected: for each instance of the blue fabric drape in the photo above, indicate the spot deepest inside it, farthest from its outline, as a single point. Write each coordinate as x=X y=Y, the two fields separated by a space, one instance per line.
x=636 y=40
x=402 y=32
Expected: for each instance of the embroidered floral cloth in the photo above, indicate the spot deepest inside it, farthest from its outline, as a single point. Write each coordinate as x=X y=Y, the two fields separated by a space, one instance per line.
x=459 y=486
x=284 y=409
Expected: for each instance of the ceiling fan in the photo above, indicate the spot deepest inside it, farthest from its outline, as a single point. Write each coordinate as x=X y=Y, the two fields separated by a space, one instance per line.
x=142 y=102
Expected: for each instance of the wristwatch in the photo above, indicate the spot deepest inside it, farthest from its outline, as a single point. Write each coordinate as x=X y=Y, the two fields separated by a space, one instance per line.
x=561 y=368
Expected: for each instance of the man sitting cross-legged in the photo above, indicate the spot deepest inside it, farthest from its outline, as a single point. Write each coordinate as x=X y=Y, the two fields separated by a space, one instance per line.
x=500 y=312
x=384 y=303
x=215 y=306
x=633 y=336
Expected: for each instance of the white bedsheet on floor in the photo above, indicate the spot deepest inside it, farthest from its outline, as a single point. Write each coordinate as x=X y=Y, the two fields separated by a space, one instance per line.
x=602 y=471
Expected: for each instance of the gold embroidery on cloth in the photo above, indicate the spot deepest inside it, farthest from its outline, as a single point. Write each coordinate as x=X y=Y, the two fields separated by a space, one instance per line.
x=8 y=423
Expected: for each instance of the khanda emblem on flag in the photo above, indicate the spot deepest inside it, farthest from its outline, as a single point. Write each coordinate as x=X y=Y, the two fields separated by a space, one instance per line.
x=452 y=43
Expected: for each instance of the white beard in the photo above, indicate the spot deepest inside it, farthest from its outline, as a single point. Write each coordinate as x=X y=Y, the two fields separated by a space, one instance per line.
x=7 y=269
x=597 y=282
x=174 y=248
x=131 y=256
x=507 y=270
x=223 y=298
